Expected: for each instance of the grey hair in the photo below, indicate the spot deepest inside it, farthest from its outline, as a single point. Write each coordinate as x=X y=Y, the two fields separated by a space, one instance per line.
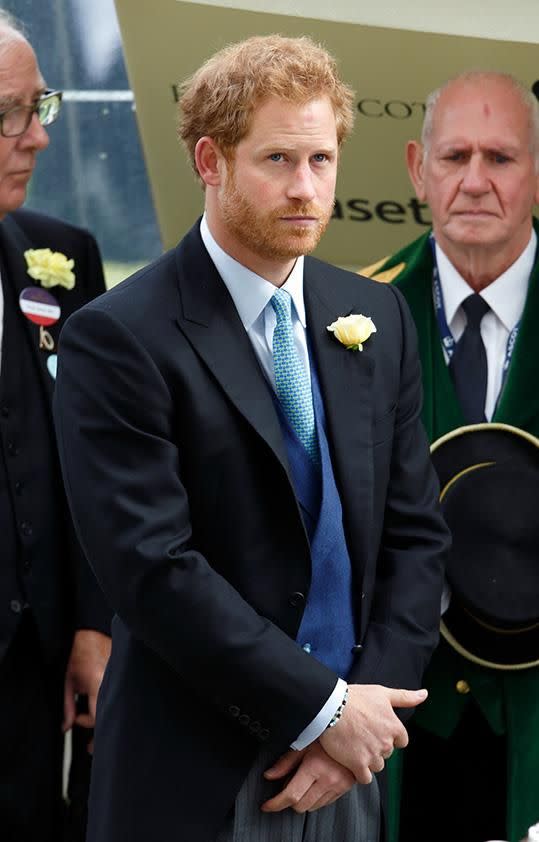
x=528 y=99
x=9 y=26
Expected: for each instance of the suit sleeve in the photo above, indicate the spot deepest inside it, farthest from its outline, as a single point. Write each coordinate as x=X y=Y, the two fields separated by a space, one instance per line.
x=92 y=610
x=122 y=464
x=403 y=627
x=94 y=277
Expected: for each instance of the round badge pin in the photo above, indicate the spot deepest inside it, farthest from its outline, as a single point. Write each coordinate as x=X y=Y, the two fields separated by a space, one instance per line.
x=52 y=365
x=39 y=306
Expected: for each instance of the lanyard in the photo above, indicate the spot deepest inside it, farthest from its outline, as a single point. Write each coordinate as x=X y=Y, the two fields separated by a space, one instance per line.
x=448 y=340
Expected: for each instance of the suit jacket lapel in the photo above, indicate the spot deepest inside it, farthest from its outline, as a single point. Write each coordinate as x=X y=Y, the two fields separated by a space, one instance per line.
x=441 y=409
x=519 y=401
x=13 y=244
x=346 y=383
x=211 y=323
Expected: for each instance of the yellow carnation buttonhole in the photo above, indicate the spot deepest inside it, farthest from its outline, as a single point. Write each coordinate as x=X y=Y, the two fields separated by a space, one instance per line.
x=50 y=268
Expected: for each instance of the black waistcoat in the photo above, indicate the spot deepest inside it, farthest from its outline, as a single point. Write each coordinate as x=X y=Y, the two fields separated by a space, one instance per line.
x=33 y=576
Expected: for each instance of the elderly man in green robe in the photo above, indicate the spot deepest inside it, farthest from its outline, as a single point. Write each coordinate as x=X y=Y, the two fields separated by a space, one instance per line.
x=472 y=767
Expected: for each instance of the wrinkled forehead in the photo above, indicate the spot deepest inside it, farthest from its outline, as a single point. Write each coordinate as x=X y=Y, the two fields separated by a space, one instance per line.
x=492 y=104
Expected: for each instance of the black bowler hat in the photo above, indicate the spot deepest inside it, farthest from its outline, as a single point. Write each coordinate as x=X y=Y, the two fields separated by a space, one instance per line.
x=489 y=481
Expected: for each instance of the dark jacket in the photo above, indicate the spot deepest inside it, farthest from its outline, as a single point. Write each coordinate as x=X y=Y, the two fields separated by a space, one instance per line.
x=45 y=572
x=178 y=478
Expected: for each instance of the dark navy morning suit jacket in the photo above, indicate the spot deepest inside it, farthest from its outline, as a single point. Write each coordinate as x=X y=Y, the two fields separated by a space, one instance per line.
x=179 y=482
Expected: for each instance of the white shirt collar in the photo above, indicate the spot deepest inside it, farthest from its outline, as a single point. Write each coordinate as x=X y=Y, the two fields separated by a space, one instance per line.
x=506 y=295
x=249 y=291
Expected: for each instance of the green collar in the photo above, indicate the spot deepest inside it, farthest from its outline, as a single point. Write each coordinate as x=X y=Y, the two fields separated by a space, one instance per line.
x=519 y=402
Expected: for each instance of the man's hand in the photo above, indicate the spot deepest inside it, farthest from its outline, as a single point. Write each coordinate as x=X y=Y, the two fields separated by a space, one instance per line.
x=87 y=661
x=319 y=780
x=369 y=729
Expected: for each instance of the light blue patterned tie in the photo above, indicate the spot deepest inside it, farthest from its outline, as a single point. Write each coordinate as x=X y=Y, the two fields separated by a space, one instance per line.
x=291 y=380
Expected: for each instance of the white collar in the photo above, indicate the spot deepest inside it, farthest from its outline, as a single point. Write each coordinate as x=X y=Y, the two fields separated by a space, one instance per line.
x=506 y=295
x=249 y=291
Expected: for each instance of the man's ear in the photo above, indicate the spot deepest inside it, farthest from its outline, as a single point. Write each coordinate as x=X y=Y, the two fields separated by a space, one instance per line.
x=537 y=188
x=209 y=161
x=414 y=161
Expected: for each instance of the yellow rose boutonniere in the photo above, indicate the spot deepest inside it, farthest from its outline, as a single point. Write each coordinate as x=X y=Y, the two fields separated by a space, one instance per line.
x=50 y=268
x=352 y=331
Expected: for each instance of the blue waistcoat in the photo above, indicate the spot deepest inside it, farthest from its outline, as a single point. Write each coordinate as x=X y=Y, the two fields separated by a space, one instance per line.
x=327 y=627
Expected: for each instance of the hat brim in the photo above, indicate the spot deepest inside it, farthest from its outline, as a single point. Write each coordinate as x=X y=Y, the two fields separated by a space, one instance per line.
x=455 y=455
x=475 y=444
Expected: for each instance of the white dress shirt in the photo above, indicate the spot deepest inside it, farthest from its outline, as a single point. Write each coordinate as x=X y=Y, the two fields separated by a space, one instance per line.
x=505 y=296
x=251 y=295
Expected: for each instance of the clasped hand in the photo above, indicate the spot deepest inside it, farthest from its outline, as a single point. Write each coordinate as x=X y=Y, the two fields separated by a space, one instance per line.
x=349 y=753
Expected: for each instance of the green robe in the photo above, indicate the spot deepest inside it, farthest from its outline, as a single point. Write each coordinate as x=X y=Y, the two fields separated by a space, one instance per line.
x=508 y=700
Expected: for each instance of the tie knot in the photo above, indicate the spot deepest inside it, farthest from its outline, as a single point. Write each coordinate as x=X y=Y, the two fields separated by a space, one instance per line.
x=282 y=304
x=475 y=308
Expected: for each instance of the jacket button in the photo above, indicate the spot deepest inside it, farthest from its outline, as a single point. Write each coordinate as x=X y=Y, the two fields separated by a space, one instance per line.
x=4 y=411
x=244 y=719
x=18 y=487
x=254 y=727
x=26 y=528
x=295 y=599
x=263 y=734
x=234 y=711
x=12 y=448
x=462 y=687
x=15 y=606
x=357 y=649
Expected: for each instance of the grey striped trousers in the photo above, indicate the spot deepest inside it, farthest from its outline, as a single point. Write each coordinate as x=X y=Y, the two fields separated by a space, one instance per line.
x=355 y=817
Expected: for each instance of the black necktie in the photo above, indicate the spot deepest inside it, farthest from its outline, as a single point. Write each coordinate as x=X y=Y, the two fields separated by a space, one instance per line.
x=468 y=364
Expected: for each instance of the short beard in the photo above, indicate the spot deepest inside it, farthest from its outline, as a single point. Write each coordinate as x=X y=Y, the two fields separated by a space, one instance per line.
x=259 y=232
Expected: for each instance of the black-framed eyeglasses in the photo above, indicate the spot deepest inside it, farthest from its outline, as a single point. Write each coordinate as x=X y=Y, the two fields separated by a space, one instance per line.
x=16 y=120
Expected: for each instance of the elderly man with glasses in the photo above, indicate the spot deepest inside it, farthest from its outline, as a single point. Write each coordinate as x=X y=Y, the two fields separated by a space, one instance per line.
x=16 y=120
x=53 y=619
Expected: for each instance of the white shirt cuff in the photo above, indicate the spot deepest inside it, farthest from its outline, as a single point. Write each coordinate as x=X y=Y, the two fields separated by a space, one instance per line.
x=322 y=719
